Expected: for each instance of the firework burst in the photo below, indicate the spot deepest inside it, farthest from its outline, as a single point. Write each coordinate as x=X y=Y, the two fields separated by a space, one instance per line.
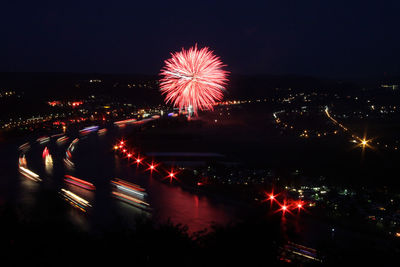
x=193 y=79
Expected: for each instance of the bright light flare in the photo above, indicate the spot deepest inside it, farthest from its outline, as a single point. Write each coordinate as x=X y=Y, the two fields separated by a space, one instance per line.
x=193 y=79
x=152 y=167
x=364 y=142
x=284 y=208
x=270 y=197
x=299 y=205
x=171 y=176
x=139 y=160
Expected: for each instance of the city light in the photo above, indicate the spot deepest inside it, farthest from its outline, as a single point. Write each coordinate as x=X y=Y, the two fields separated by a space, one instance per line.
x=139 y=160
x=152 y=167
x=45 y=152
x=270 y=197
x=284 y=208
x=364 y=142
x=299 y=205
x=171 y=176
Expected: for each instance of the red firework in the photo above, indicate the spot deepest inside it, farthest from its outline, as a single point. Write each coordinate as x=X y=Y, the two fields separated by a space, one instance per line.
x=193 y=79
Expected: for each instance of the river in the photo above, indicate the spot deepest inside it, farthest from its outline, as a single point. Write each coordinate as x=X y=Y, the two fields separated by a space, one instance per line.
x=96 y=162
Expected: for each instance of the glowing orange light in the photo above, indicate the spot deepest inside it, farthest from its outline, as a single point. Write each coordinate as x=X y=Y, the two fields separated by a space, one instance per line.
x=116 y=147
x=364 y=142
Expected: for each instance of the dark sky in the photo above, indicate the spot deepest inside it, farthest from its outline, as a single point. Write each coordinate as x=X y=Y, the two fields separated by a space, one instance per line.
x=314 y=37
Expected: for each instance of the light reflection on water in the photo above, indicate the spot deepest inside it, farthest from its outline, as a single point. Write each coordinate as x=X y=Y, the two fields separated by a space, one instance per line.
x=174 y=203
x=85 y=194
x=48 y=165
x=79 y=218
x=27 y=191
x=96 y=163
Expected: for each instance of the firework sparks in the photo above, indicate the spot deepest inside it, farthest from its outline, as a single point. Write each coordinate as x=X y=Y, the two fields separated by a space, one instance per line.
x=193 y=79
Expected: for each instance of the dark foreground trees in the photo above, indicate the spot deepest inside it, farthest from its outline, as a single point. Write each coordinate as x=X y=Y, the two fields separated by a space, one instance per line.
x=45 y=237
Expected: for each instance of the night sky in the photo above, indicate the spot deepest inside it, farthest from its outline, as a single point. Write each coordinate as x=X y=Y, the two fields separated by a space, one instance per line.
x=310 y=37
